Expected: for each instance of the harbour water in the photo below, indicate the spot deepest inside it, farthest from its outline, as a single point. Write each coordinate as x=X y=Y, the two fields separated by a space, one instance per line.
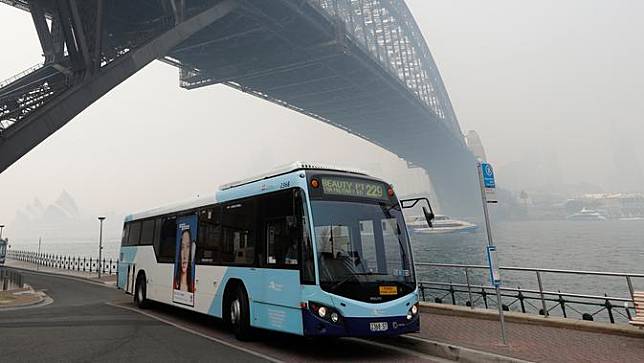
x=612 y=245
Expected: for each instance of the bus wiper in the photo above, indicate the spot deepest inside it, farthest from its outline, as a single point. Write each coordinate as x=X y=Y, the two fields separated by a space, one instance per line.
x=349 y=277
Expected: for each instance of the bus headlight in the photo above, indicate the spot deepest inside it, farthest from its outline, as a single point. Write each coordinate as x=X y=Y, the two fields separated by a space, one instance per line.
x=413 y=311
x=322 y=312
x=335 y=318
x=326 y=313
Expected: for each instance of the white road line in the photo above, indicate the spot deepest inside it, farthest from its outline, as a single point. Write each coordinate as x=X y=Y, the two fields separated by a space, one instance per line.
x=228 y=344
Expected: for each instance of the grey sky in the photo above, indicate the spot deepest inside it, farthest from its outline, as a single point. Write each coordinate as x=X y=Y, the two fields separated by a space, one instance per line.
x=550 y=83
x=554 y=88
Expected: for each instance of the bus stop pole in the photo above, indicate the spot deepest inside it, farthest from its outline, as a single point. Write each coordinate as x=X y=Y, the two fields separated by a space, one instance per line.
x=490 y=243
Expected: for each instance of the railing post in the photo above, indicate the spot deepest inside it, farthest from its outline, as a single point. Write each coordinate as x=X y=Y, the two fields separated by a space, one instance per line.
x=609 y=308
x=422 y=289
x=451 y=292
x=484 y=294
x=469 y=288
x=521 y=297
x=562 y=302
x=630 y=288
x=543 y=299
x=628 y=311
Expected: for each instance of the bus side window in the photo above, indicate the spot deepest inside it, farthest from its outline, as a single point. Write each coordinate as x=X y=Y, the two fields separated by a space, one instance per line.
x=126 y=233
x=281 y=233
x=239 y=232
x=135 y=234
x=167 y=240
x=209 y=242
x=147 y=233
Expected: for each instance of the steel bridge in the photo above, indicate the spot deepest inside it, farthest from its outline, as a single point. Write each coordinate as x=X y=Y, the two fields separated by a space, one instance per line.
x=360 y=65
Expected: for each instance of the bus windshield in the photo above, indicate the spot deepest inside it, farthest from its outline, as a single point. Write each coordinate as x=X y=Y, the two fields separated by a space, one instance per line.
x=362 y=243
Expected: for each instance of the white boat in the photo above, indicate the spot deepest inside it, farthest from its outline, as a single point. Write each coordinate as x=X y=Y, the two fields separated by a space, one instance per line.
x=631 y=219
x=440 y=224
x=587 y=215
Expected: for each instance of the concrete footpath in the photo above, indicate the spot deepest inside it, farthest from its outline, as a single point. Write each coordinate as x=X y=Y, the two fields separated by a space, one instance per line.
x=531 y=337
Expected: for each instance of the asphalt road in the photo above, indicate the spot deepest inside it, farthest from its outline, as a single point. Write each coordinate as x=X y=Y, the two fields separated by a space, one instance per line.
x=90 y=322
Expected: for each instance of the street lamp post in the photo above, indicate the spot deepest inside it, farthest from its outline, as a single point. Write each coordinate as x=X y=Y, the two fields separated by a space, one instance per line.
x=100 y=247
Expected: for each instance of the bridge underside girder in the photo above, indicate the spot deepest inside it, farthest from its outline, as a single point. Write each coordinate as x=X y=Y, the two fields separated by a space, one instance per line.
x=291 y=52
x=297 y=57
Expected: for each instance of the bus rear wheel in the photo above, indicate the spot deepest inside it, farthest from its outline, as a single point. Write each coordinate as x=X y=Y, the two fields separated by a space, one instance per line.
x=239 y=314
x=140 y=293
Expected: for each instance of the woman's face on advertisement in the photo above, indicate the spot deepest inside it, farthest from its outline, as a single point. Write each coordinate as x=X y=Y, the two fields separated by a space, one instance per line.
x=185 y=251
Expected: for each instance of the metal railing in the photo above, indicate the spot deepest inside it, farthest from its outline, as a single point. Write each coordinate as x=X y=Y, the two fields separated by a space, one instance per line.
x=10 y=279
x=69 y=263
x=15 y=77
x=536 y=300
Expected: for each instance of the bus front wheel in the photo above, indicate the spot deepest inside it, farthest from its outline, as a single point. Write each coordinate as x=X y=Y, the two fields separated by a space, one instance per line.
x=239 y=314
x=140 y=293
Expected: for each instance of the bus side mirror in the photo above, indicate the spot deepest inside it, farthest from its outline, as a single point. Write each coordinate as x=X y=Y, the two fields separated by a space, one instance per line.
x=429 y=217
x=410 y=203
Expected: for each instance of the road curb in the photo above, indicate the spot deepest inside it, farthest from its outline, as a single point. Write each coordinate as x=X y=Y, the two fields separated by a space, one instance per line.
x=40 y=299
x=453 y=352
x=531 y=319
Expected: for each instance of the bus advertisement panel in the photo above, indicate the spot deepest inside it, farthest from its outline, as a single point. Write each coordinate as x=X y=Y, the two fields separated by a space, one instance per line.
x=184 y=267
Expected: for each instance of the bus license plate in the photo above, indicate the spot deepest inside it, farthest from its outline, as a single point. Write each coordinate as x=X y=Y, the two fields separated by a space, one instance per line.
x=380 y=326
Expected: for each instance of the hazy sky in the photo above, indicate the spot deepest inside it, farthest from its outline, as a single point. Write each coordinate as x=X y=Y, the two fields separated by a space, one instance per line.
x=551 y=86
x=554 y=88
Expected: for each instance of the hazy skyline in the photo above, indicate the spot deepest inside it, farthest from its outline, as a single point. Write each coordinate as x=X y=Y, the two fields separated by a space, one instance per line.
x=553 y=88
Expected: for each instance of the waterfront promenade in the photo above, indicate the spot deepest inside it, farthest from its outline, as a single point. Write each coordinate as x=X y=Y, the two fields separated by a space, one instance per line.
x=109 y=327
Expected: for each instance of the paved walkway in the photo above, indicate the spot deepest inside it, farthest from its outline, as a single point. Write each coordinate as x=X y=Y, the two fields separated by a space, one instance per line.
x=532 y=342
x=107 y=279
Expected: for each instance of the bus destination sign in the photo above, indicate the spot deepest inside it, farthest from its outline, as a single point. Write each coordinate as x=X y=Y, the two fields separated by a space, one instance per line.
x=354 y=188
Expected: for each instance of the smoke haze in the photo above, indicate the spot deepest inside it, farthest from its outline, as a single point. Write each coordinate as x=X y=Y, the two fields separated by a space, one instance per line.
x=553 y=88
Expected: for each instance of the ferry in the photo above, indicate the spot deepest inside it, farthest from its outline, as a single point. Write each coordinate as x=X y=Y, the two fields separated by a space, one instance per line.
x=587 y=215
x=440 y=224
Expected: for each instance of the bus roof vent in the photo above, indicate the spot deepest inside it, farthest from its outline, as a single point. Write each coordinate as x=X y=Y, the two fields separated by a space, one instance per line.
x=285 y=169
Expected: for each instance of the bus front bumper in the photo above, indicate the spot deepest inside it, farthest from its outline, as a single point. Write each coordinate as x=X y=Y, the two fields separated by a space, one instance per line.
x=359 y=327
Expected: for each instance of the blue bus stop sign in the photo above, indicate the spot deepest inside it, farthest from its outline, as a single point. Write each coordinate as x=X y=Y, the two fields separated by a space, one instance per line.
x=488 y=175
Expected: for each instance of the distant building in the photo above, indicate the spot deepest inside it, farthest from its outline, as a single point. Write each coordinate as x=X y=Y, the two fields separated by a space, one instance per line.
x=475 y=145
x=613 y=205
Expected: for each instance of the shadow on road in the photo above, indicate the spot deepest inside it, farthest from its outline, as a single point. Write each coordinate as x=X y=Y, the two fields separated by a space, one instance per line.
x=280 y=345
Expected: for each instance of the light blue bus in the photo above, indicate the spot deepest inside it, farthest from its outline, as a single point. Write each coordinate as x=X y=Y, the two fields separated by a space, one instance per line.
x=306 y=249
